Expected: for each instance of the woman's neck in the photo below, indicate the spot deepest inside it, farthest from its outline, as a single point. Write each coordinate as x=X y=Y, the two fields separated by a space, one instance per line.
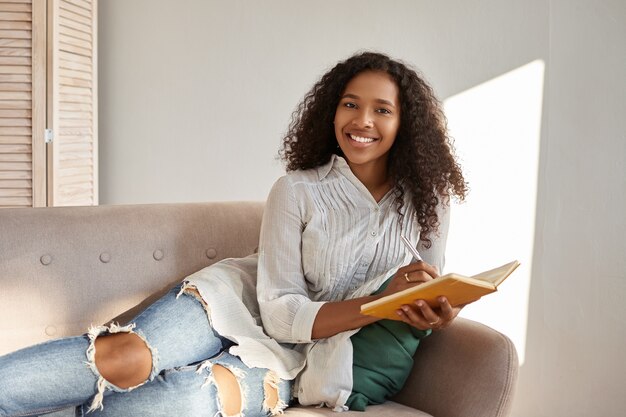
x=374 y=177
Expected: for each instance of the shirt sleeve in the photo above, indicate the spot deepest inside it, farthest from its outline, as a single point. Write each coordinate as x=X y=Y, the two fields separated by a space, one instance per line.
x=286 y=309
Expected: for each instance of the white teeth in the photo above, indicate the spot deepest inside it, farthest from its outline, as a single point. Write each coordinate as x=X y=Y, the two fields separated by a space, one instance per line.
x=362 y=139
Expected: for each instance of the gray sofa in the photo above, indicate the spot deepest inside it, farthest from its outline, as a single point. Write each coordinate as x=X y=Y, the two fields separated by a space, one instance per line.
x=62 y=269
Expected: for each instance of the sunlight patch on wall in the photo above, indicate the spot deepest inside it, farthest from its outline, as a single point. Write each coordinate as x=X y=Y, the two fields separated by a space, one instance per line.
x=496 y=128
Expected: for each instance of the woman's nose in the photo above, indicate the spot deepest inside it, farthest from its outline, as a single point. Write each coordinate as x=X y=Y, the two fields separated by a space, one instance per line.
x=363 y=120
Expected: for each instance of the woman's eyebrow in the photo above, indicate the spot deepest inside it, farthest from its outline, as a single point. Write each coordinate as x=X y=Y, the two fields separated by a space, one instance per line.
x=378 y=100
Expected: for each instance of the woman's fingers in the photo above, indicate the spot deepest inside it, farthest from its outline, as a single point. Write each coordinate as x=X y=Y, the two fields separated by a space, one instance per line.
x=418 y=272
x=417 y=277
x=419 y=315
x=422 y=316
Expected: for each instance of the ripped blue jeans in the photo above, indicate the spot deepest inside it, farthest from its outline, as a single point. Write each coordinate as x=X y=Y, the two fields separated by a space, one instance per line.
x=62 y=373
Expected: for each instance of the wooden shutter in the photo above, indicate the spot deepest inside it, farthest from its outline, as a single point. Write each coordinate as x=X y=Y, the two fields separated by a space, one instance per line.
x=72 y=103
x=22 y=103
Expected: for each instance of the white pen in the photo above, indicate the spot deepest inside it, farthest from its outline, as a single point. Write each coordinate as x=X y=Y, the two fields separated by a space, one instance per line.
x=411 y=248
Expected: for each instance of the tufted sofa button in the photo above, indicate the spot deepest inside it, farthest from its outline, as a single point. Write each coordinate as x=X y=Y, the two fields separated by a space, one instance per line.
x=211 y=253
x=51 y=330
x=157 y=255
x=45 y=259
x=105 y=257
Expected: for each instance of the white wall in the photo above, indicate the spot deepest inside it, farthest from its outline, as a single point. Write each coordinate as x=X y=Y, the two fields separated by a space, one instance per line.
x=195 y=94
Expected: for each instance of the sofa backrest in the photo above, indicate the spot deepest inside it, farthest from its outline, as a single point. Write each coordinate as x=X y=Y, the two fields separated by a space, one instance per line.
x=62 y=269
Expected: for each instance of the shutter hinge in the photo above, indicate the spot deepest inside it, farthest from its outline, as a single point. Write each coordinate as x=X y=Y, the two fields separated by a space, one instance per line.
x=49 y=135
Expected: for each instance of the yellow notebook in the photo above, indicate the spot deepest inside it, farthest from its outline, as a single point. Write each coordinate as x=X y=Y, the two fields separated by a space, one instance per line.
x=457 y=288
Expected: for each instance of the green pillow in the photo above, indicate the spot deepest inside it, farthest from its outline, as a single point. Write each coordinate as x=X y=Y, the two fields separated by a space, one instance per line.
x=382 y=360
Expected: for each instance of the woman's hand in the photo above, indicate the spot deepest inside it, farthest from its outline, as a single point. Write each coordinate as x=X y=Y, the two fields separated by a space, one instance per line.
x=419 y=314
x=409 y=276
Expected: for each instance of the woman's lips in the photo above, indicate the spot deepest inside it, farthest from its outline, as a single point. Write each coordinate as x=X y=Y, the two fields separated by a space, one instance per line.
x=361 y=139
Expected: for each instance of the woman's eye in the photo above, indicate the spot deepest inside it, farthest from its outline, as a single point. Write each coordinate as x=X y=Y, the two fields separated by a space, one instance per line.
x=350 y=105
x=383 y=111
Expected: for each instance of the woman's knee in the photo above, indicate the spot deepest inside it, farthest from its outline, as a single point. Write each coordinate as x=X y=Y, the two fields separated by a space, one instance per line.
x=123 y=359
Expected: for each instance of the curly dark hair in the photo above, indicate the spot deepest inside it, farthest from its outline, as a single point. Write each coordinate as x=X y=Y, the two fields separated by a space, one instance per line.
x=422 y=157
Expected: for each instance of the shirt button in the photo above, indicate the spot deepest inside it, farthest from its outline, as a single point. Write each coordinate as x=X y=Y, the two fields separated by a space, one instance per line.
x=374 y=233
x=376 y=208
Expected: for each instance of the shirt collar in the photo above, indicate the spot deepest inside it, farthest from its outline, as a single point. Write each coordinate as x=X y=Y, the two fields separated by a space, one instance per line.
x=335 y=161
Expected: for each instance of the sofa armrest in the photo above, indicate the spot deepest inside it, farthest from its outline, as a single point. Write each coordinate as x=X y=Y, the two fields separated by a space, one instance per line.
x=465 y=370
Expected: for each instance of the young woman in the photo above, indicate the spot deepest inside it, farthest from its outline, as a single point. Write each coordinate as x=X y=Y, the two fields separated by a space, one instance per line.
x=368 y=160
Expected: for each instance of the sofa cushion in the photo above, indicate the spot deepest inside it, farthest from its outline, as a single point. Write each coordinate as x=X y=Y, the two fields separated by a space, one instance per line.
x=388 y=409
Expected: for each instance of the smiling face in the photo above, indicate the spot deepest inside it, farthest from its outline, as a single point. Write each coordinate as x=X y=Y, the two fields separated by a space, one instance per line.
x=367 y=120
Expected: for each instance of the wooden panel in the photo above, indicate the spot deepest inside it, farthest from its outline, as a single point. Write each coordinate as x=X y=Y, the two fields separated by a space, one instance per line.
x=14 y=69
x=15 y=87
x=84 y=115
x=15 y=34
x=76 y=179
x=82 y=75
x=16 y=201
x=66 y=5
x=16 y=95
x=15 y=25
x=11 y=16
x=72 y=140
x=70 y=16
x=70 y=172
x=15 y=157
x=78 y=146
x=16 y=192
x=16 y=131
x=73 y=98
x=77 y=190
x=15 y=7
x=6 y=139
x=39 y=82
x=68 y=56
x=28 y=184
x=75 y=123
x=77 y=26
x=15 y=113
x=15 y=51
x=15 y=104
x=16 y=166
x=18 y=78
x=15 y=43
x=75 y=131
x=64 y=46
x=74 y=94
x=15 y=148
x=75 y=163
x=87 y=5
x=15 y=122
x=16 y=175
x=74 y=82
x=15 y=60
x=69 y=40
x=80 y=91
x=68 y=31
x=75 y=107
x=75 y=156
x=74 y=65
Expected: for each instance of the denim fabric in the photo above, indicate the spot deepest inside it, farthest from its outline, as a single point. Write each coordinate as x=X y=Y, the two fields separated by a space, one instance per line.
x=61 y=373
x=191 y=391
